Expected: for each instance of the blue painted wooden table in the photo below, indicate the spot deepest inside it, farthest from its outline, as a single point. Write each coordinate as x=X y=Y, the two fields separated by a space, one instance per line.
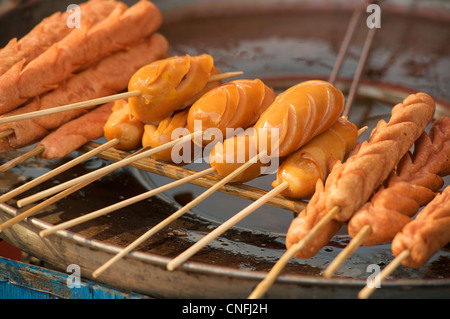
x=19 y=280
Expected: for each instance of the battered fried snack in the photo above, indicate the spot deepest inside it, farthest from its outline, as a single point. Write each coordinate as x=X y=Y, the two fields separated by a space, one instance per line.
x=79 y=48
x=74 y=134
x=307 y=219
x=51 y=30
x=414 y=184
x=350 y=185
x=427 y=233
x=109 y=76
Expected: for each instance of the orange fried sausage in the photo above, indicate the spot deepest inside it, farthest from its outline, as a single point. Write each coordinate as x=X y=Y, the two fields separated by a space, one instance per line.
x=168 y=85
x=310 y=163
x=301 y=169
x=121 y=126
x=156 y=135
x=317 y=98
x=229 y=155
x=300 y=113
x=235 y=104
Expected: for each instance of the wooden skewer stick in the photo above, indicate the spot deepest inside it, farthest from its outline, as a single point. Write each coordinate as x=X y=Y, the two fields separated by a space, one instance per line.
x=97 y=101
x=51 y=200
x=176 y=215
x=224 y=76
x=107 y=169
x=68 y=107
x=389 y=269
x=174 y=263
x=124 y=203
x=35 y=209
x=6 y=133
x=359 y=70
x=345 y=43
x=265 y=284
x=347 y=251
x=20 y=159
x=56 y=171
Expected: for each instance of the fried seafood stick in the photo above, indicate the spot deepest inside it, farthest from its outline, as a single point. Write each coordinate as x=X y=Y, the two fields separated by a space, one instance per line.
x=49 y=31
x=351 y=184
x=109 y=76
x=84 y=46
x=74 y=134
x=414 y=184
x=427 y=233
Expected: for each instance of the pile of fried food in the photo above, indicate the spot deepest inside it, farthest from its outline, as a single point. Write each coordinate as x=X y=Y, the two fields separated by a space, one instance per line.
x=55 y=65
x=379 y=183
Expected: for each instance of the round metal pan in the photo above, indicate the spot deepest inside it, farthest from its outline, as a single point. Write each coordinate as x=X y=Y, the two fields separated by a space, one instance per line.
x=281 y=42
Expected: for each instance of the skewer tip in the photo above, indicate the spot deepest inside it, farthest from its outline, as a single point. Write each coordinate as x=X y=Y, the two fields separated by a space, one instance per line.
x=170 y=266
x=42 y=233
x=375 y=283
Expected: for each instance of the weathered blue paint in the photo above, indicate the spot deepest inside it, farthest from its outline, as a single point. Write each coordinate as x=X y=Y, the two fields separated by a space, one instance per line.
x=23 y=281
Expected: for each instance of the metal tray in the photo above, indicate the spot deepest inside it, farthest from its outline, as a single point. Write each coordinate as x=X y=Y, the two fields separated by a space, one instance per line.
x=282 y=43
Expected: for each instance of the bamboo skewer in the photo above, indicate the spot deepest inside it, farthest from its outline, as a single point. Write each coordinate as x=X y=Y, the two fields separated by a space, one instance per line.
x=174 y=171
x=123 y=203
x=20 y=159
x=174 y=263
x=265 y=284
x=6 y=133
x=56 y=171
x=97 y=101
x=345 y=43
x=68 y=107
x=35 y=209
x=361 y=63
x=347 y=251
x=107 y=169
x=177 y=214
x=367 y=291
